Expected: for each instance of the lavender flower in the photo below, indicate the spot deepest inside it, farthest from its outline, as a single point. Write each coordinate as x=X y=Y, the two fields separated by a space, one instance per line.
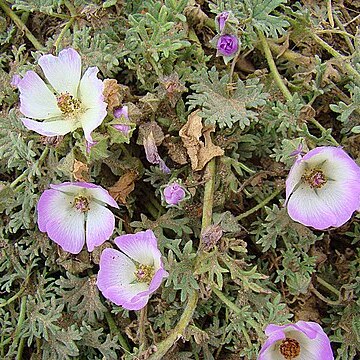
x=152 y=154
x=76 y=102
x=174 y=193
x=72 y=213
x=304 y=340
x=221 y=20
x=227 y=45
x=122 y=113
x=323 y=188
x=129 y=277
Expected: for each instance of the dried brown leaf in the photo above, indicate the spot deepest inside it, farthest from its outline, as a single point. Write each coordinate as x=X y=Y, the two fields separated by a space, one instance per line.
x=112 y=94
x=200 y=154
x=80 y=171
x=124 y=186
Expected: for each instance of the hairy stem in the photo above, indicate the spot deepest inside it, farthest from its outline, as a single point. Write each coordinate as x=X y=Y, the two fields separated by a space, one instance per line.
x=353 y=72
x=62 y=33
x=164 y=346
x=115 y=331
x=260 y=205
x=18 y=329
x=21 y=25
x=142 y=333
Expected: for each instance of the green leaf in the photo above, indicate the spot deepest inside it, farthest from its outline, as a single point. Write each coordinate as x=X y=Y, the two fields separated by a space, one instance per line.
x=222 y=107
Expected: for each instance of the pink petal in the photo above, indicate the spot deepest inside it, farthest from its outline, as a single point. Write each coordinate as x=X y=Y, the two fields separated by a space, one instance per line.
x=36 y=99
x=63 y=71
x=142 y=247
x=49 y=128
x=125 y=296
x=100 y=224
x=63 y=224
x=116 y=269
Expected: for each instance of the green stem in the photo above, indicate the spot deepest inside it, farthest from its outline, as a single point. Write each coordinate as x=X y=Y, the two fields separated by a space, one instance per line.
x=18 y=329
x=115 y=331
x=62 y=33
x=323 y=130
x=336 y=55
x=166 y=344
x=70 y=7
x=208 y=195
x=259 y=206
x=273 y=68
x=21 y=25
x=328 y=286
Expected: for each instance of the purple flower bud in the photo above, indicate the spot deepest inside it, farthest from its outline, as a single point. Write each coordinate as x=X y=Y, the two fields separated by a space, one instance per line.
x=123 y=128
x=15 y=80
x=227 y=45
x=124 y=111
x=221 y=19
x=174 y=194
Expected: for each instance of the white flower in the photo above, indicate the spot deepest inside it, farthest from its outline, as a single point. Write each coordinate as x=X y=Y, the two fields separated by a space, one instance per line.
x=70 y=102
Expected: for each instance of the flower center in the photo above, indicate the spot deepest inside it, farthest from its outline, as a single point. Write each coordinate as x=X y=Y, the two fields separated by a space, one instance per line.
x=68 y=104
x=315 y=178
x=289 y=348
x=144 y=273
x=81 y=203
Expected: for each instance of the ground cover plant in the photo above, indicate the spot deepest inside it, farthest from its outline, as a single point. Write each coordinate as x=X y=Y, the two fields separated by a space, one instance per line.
x=179 y=179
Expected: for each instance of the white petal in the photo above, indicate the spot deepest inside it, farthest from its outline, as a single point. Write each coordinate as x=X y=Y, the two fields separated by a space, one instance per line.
x=100 y=224
x=91 y=89
x=63 y=224
x=91 y=119
x=50 y=128
x=36 y=99
x=116 y=269
x=63 y=71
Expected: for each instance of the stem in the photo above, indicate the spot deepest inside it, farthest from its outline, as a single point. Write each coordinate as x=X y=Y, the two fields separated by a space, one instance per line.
x=273 y=69
x=328 y=286
x=166 y=344
x=208 y=195
x=18 y=328
x=323 y=130
x=259 y=206
x=21 y=25
x=62 y=33
x=178 y=331
x=142 y=320
x=336 y=55
x=115 y=331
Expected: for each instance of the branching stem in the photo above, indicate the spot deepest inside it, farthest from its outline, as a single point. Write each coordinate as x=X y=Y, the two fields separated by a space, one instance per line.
x=21 y=25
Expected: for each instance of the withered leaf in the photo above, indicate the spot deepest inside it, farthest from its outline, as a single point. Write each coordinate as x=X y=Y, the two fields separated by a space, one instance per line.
x=80 y=171
x=124 y=186
x=200 y=154
x=111 y=93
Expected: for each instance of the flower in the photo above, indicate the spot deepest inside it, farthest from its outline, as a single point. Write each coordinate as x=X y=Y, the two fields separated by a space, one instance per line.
x=71 y=103
x=323 y=188
x=174 y=193
x=221 y=19
x=152 y=154
x=119 y=113
x=305 y=340
x=72 y=213
x=227 y=45
x=129 y=277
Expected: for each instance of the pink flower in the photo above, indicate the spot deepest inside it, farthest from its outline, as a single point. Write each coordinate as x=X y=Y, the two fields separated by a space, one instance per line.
x=122 y=113
x=221 y=20
x=75 y=102
x=174 y=193
x=323 y=188
x=304 y=340
x=129 y=277
x=227 y=45
x=74 y=213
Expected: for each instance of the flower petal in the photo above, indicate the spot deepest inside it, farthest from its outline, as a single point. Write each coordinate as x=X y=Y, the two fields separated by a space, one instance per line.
x=50 y=128
x=116 y=269
x=61 y=221
x=36 y=99
x=100 y=224
x=142 y=247
x=308 y=208
x=91 y=89
x=124 y=296
x=269 y=350
x=63 y=71
x=103 y=196
x=91 y=119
